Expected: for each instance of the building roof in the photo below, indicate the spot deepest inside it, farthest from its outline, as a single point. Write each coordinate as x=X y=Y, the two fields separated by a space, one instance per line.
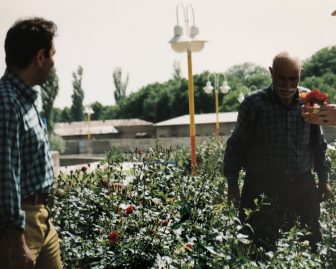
x=84 y=129
x=96 y=127
x=201 y=119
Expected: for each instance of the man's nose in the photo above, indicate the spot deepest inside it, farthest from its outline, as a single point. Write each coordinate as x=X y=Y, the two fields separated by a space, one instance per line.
x=287 y=84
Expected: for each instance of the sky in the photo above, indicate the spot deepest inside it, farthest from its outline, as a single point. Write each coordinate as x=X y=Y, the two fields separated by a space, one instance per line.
x=102 y=35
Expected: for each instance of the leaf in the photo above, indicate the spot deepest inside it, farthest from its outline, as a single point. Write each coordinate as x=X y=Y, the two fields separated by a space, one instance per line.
x=210 y=249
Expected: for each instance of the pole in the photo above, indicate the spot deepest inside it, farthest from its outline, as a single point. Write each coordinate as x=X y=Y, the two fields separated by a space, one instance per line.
x=217 y=120
x=89 y=136
x=192 y=114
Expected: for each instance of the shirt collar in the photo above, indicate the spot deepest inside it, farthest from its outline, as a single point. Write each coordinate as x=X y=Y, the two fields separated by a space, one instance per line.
x=26 y=91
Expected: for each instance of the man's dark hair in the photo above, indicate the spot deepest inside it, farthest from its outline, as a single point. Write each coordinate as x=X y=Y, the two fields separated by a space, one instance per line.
x=25 y=38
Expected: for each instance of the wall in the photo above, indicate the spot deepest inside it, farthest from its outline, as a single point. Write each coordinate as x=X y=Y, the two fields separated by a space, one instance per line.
x=201 y=130
x=103 y=146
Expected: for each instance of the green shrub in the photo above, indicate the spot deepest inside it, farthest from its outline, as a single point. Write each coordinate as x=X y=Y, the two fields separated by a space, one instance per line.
x=57 y=143
x=162 y=217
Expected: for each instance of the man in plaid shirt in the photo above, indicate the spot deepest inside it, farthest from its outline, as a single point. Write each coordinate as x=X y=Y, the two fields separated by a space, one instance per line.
x=278 y=151
x=27 y=237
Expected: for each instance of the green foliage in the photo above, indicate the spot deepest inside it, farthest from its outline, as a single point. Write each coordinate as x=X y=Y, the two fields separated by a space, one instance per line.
x=154 y=214
x=49 y=91
x=249 y=74
x=98 y=110
x=56 y=114
x=110 y=112
x=161 y=101
x=77 y=108
x=57 y=143
x=322 y=62
x=119 y=84
x=65 y=115
x=319 y=72
x=177 y=74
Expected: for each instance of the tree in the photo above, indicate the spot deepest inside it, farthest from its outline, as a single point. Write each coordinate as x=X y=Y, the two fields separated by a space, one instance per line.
x=65 y=115
x=323 y=61
x=119 y=84
x=56 y=114
x=319 y=72
x=77 y=108
x=49 y=91
x=177 y=74
x=161 y=101
x=98 y=110
x=249 y=74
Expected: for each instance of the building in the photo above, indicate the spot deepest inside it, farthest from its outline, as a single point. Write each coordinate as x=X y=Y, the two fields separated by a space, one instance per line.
x=108 y=129
x=205 y=125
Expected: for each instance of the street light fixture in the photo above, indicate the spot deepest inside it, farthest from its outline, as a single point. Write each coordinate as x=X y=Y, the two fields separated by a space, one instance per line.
x=191 y=42
x=224 y=89
x=88 y=110
x=245 y=91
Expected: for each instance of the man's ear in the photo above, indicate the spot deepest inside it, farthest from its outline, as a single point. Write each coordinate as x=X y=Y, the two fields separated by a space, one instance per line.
x=40 y=57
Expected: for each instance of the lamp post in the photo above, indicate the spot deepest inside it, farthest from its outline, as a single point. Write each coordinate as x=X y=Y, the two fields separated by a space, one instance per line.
x=245 y=91
x=88 y=110
x=224 y=89
x=191 y=42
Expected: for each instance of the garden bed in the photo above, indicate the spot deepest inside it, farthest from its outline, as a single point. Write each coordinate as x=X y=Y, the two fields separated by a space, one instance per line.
x=166 y=218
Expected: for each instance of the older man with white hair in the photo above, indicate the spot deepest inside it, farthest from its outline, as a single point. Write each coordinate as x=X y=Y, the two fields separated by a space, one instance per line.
x=278 y=151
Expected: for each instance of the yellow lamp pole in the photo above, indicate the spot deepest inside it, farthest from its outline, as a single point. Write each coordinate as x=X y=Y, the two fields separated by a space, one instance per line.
x=217 y=131
x=191 y=42
x=88 y=110
x=192 y=114
x=89 y=135
x=224 y=89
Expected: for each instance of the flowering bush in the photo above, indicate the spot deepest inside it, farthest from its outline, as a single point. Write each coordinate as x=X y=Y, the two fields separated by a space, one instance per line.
x=162 y=217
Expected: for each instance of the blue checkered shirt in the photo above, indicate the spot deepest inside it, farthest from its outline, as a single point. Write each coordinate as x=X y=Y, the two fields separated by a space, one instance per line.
x=25 y=159
x=273 y=139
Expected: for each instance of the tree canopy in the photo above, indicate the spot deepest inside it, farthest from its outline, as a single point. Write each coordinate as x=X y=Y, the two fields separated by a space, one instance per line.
x=77 y=108
x=156 y=102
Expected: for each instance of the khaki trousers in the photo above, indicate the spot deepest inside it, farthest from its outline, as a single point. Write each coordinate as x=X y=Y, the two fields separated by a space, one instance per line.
x=41 y=238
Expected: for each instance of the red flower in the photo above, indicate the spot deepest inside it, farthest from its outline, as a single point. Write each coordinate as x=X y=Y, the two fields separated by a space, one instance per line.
x=84 y=169
x=314 y=97
x=113 y=236
x=188 y=246
x=165 y=222
x=129 y=210
x=105 y=182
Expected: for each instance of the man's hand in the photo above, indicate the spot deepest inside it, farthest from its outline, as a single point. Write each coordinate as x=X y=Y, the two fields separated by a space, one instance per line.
x=325 y=191
x=20 y=256
x=309 y=115
x=234 y=195
x=327 y=115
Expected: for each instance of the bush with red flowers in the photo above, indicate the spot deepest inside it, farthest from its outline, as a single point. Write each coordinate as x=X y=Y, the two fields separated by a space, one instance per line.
x=166 y=218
